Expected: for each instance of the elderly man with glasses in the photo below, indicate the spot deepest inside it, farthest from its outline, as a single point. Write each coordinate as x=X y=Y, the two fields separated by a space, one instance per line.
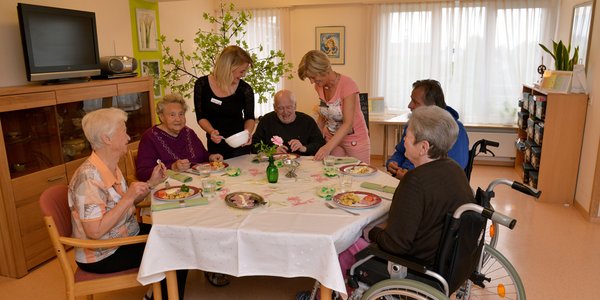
x=298 y=130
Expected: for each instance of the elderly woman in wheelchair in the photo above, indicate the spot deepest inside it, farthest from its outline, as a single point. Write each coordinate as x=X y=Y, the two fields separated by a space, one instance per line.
x=432 y=240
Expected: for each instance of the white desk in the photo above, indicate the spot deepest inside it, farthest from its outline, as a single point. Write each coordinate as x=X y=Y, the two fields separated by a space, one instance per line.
x=396 y=121
x=295 y=235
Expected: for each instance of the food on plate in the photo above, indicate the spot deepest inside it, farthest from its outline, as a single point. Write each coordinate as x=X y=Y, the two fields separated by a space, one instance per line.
x=233 y=172
x=349 y=199
x=330 y=171
x=243 y=200
x=326 y=192
x=175 y=193
x=217 y=165
x=359 y=170
x=369 y=200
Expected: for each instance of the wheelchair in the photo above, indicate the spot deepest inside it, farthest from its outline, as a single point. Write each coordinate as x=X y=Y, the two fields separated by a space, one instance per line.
x=465 y=266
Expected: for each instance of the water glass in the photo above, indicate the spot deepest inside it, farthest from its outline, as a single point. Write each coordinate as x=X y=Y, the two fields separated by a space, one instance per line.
x=345 y=182
x=204 y=170
x=329 y=160
x=209 y=186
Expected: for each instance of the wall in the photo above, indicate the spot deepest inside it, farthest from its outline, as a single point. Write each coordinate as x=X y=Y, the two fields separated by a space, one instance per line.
x=112 y=21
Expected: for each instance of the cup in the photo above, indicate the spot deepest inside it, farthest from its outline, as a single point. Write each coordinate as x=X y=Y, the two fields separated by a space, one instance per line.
x=345 y=182
x=329 y=160
x=204 y=170
x=209 y=187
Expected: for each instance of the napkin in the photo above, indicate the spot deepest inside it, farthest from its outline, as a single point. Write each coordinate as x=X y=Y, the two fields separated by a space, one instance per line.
x=179 y=176
x=378 y=187
x=186 y=203
x=345 y=160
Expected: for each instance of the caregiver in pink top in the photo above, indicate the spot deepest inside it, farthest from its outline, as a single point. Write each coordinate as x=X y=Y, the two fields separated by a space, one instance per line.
x=340 y=118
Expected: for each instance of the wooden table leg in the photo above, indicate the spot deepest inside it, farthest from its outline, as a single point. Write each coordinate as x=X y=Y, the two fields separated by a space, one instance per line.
x=325 y=293
x=172 y=285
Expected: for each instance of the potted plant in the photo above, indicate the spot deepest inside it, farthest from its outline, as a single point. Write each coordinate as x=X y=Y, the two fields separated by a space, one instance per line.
x=560 y=53
x=182 y=69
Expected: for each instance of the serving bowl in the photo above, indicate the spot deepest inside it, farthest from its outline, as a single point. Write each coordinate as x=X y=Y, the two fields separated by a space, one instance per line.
x=237 y=139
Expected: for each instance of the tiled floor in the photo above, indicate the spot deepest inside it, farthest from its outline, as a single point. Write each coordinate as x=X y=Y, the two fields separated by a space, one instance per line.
x=553 y=247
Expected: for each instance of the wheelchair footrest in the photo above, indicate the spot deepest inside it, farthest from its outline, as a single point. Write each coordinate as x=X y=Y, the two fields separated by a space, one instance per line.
x=478 y=279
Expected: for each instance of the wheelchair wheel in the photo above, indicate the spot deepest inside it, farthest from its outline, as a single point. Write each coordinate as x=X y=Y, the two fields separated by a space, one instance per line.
x=492 y=232
x=504 y=283
x=402 y=289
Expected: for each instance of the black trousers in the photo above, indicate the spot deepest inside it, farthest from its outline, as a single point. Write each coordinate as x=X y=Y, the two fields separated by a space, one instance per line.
x=130 y=256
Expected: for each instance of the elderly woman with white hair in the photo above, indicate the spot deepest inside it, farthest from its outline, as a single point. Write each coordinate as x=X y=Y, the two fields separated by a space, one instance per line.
x=425 y=195
x=171 y=141
x=102 y=205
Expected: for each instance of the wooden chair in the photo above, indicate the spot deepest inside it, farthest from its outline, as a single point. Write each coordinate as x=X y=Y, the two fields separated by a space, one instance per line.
x=130 y=160
x=364 y=106
x=57 y=217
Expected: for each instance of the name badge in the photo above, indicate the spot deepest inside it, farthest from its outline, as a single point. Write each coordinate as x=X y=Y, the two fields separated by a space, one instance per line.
x=215 y=101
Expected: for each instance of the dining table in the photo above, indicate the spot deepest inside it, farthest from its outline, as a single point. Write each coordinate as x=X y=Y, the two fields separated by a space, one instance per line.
x=395 y=122
x=293 y=234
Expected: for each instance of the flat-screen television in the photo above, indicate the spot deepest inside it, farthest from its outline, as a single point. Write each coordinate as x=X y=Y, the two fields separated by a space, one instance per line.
x=58 y=43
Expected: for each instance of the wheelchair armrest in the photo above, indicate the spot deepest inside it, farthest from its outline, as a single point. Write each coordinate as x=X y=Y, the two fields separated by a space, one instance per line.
x=407 y=261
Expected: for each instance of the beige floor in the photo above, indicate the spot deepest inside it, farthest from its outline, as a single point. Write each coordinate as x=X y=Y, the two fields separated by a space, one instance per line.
x=553 y=247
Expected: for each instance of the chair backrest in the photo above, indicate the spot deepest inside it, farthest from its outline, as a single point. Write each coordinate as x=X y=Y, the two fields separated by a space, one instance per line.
x=130 y=165
x=54 y=203
x=460 y=248
x=364 y=106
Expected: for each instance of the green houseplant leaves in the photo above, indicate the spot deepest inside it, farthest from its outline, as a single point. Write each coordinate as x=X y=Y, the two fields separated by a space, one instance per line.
x=560 y=54
x=181 y=69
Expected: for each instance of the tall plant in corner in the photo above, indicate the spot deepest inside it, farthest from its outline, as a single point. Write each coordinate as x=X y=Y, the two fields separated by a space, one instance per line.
x=560 y=53
x=182 y=69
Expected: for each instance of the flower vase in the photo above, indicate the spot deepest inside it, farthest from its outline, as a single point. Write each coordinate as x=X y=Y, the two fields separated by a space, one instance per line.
x=272 y=171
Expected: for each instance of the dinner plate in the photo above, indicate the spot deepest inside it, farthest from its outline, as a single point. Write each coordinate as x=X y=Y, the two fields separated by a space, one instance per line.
x=285 y=155
x=365 y=200
x=244 y=200
x=358 y=170
x=163 y=194
x=215 y=166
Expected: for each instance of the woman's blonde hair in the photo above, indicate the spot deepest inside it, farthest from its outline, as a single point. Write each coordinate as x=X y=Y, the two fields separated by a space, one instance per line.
x=168 y=99
x=102 y=122
x=313 y=63
x=230 y=58
x=436 y=126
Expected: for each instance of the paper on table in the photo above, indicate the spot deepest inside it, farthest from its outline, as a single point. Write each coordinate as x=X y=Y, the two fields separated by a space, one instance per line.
x=378 y=187
x=179 y=176
x=186 y=203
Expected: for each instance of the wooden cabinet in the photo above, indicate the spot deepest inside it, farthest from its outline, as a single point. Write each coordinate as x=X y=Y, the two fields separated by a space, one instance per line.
x=42 y=144
x=559 y=142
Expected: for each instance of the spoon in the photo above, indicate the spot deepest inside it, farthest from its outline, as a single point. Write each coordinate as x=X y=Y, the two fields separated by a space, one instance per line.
x=335 y=207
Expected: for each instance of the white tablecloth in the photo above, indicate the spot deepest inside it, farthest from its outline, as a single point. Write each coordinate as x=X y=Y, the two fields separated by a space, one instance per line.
x=294 y=235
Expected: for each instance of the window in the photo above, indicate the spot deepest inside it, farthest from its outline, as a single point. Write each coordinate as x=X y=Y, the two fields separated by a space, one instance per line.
x=266 y=29
x=480 y=51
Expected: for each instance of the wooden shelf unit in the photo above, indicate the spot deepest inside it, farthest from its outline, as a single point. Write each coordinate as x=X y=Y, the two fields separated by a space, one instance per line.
x=564 y=124
x=36 y=124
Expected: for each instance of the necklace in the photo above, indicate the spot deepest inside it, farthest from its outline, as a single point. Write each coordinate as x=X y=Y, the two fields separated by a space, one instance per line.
x=335 y=81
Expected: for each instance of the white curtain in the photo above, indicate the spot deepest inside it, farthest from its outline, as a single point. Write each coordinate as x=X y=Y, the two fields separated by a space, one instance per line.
x=267 y=28
x=480 y=51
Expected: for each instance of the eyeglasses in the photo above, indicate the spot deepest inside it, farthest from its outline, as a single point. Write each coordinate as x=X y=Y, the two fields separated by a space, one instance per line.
x=284 y=108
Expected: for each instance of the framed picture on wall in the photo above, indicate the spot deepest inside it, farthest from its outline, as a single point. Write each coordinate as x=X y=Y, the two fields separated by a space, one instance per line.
x=146 y=29
x=151 y=67
x=332 y=41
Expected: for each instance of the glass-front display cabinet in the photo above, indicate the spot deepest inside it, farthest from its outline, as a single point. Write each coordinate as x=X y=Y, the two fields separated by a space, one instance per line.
x=42 y=144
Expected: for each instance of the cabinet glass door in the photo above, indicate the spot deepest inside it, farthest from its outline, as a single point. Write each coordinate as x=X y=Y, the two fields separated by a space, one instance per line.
x=31 y=139
x=74 y=143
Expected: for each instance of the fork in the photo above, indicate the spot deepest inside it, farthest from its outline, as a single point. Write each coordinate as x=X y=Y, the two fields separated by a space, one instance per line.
x=335 y=207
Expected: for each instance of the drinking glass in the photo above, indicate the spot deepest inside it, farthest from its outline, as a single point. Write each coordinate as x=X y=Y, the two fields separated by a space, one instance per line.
x=204 y=170
x=329 y=160
x=209 y=186
x=345 y=182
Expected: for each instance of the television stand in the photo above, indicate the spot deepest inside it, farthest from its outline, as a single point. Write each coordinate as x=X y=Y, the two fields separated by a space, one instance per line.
x=113 y=76
x=67 y=80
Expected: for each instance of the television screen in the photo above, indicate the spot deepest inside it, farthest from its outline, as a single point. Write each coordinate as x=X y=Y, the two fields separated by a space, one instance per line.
x=58 y=43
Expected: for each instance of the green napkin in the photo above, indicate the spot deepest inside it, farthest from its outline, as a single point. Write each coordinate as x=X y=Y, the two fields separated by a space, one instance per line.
x=179 y=176
x=186 y=203
x=378 y=187
x=345 y=160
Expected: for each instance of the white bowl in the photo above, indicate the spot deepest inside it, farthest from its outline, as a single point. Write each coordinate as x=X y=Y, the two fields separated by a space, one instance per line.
x=237 y=139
